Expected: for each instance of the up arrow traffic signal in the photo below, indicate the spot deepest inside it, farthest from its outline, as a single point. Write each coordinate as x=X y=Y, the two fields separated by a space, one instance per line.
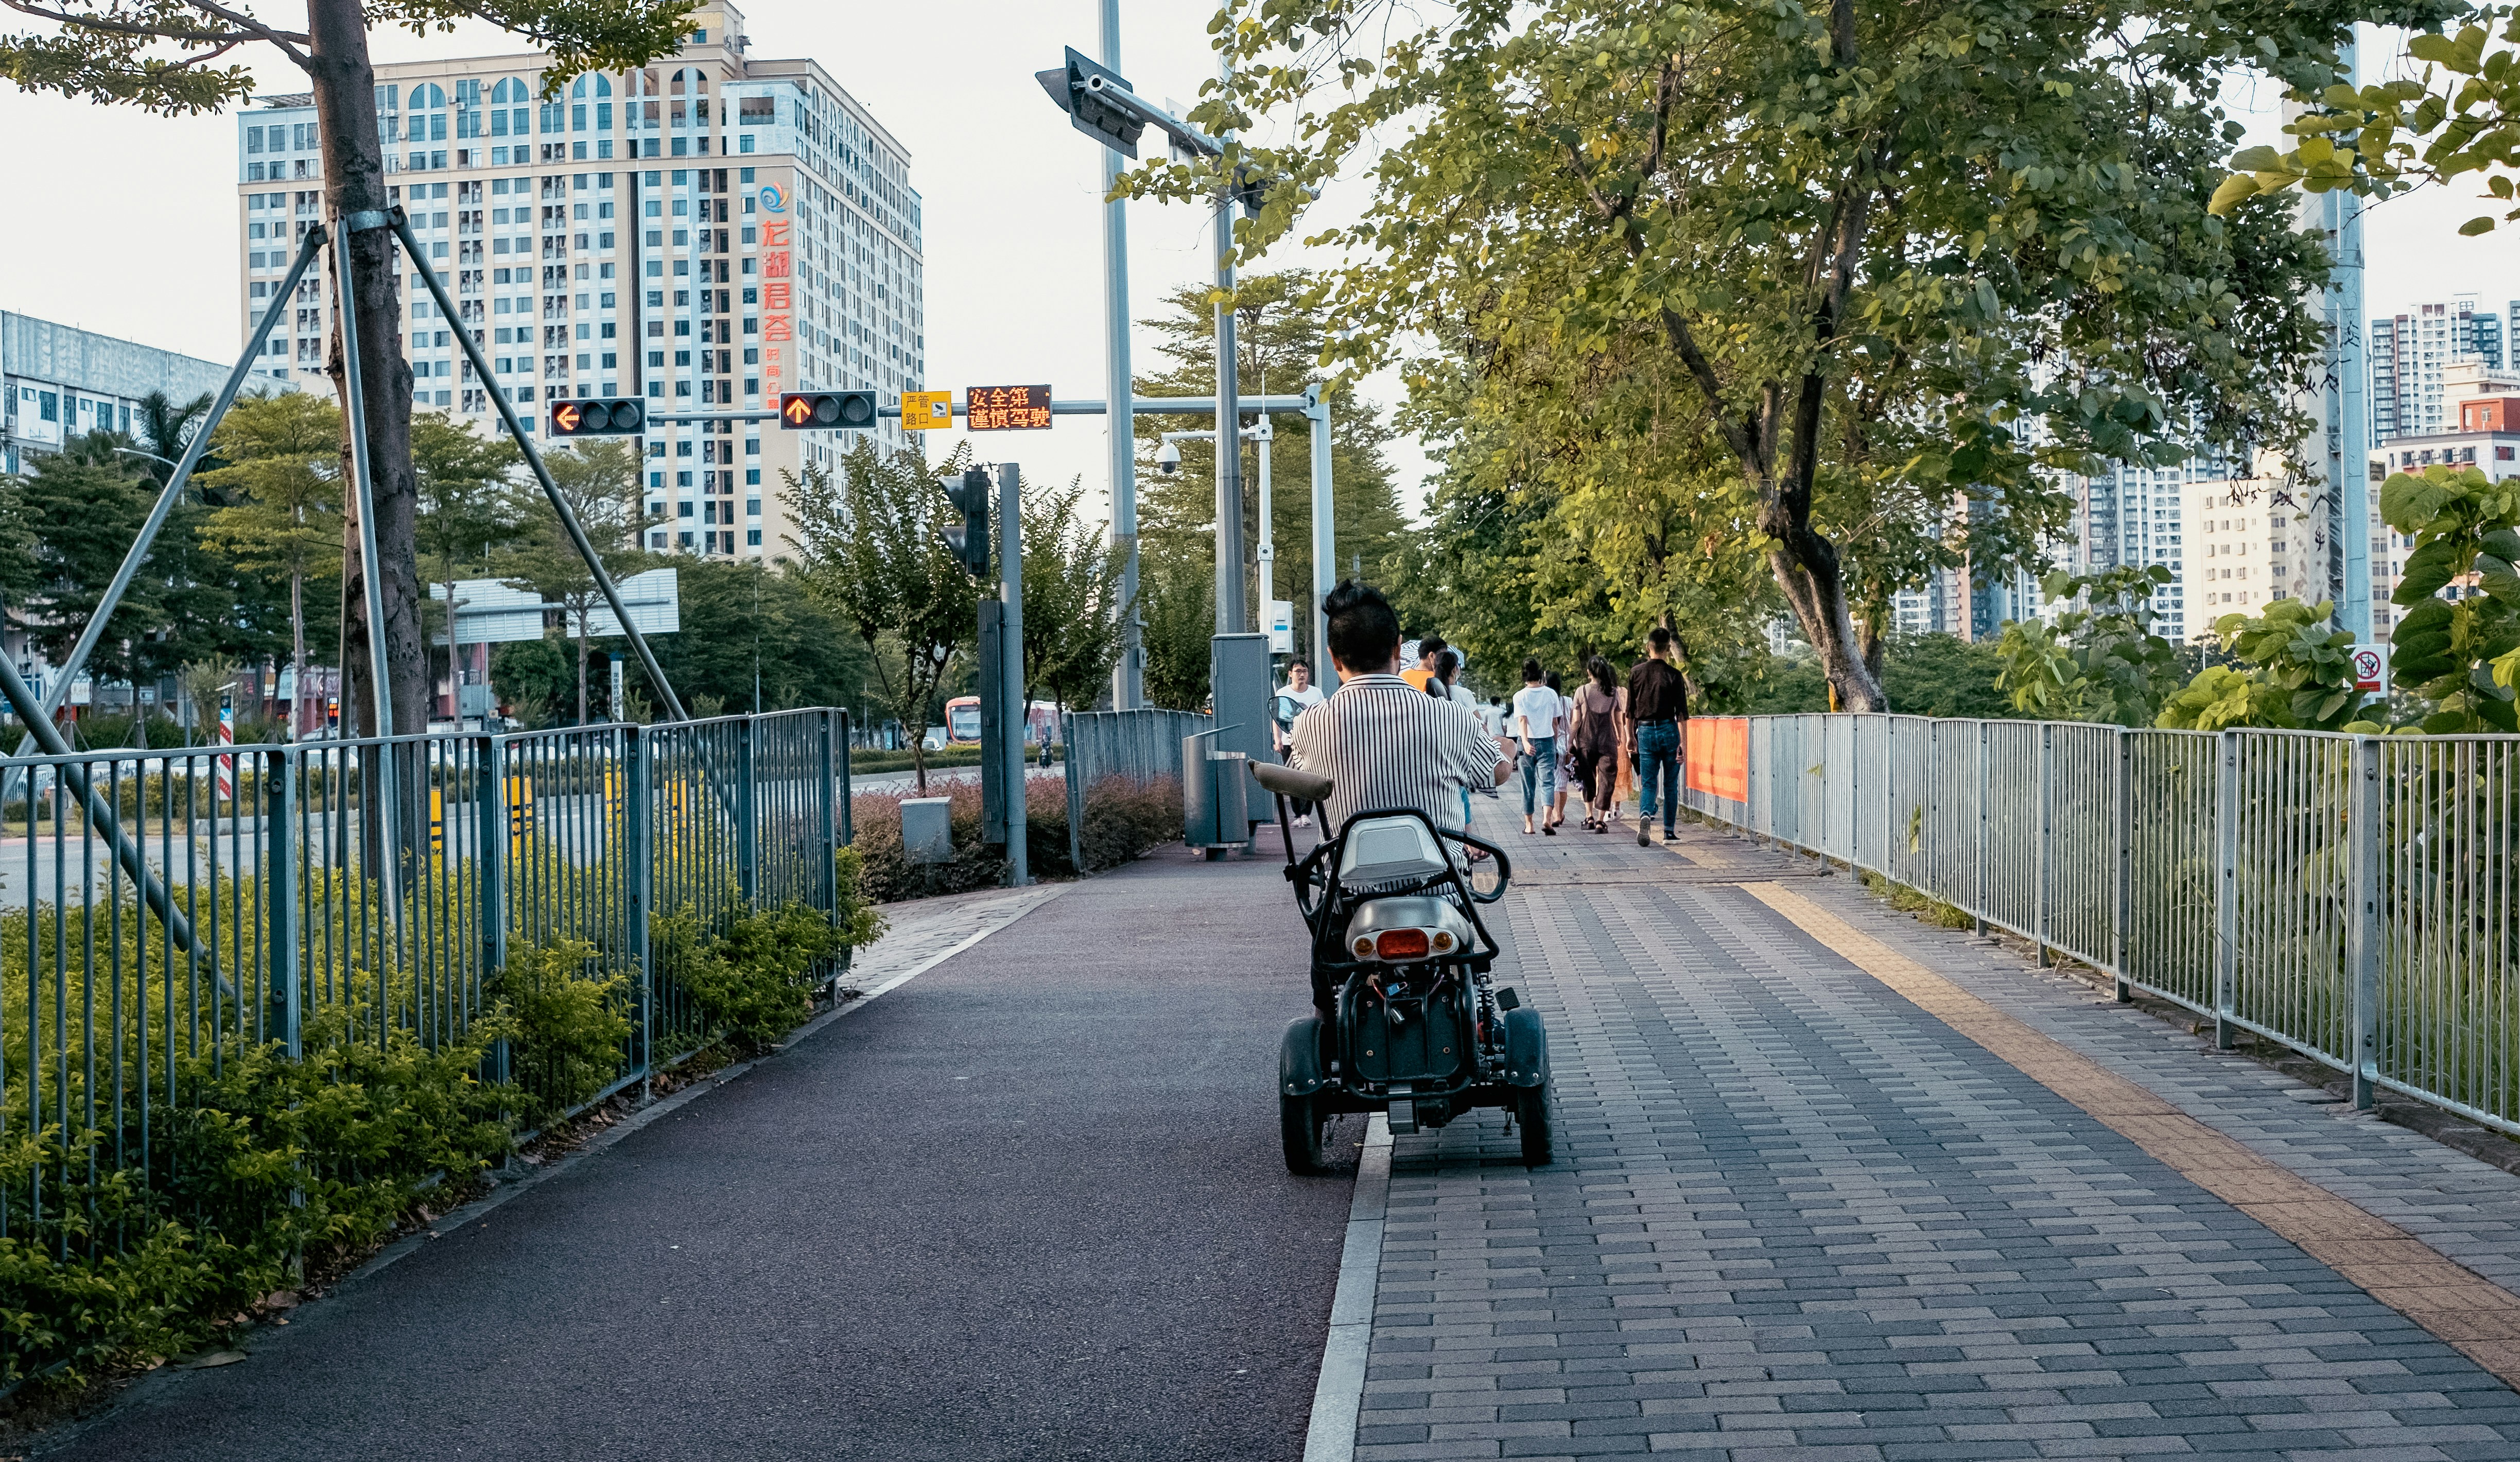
x=799 y=410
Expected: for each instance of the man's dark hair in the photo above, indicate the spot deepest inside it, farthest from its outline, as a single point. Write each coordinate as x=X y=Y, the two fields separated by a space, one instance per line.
x=1297 y=663
x=1531 y=670
x=1430 y=647
x=1363 y=633
x=1660 y=639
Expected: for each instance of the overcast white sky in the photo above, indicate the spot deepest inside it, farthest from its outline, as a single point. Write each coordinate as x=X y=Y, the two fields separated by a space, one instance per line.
x=126 y=222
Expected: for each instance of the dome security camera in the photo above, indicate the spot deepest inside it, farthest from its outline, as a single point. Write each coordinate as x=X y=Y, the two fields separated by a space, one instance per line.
x=1167 y=459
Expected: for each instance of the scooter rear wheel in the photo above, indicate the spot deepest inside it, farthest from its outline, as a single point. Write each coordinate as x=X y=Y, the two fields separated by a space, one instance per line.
x=1531 y=1113
x=1300 y=1120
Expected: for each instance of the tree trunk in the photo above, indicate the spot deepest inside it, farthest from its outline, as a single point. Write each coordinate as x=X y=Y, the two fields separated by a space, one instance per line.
x=345 y=107
x=1818 y=596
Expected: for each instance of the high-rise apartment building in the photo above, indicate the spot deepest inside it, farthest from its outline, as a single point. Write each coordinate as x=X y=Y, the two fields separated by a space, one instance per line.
x=2409 y=354
x=2252 y=541
x=705 y=232
x=2136 y=515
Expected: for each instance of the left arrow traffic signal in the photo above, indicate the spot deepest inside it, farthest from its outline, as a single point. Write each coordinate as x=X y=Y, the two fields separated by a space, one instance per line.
x=603 y=416
x=827 y=411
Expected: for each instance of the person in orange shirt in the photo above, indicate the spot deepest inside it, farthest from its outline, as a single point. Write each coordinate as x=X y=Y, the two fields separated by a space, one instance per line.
x=1424 y=670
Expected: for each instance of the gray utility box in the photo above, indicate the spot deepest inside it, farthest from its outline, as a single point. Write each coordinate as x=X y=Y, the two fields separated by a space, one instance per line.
x=927 y=829
x=1238 y=676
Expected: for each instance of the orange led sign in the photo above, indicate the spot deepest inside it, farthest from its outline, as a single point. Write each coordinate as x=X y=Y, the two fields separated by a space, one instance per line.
x=1006 y=408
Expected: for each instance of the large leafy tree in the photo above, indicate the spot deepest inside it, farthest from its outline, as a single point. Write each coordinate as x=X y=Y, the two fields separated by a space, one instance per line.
x=281 y=486
x=599 y=482
x=172 y=56
x=872 y=545
x=752 y=637
x=1279 y=343
x=83 y=509
x=467 y=509
x=1885 y=250
x=1072 y=599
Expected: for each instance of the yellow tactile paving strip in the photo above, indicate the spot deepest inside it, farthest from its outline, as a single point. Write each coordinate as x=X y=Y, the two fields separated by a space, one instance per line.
x=2472 y=1313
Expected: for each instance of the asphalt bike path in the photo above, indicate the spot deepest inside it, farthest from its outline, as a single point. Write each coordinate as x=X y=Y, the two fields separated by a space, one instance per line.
x=1835 y=1187
x=1027 y=1204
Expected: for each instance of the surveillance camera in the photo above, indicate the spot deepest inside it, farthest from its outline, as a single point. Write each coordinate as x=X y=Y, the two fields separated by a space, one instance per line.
x=1168 y=459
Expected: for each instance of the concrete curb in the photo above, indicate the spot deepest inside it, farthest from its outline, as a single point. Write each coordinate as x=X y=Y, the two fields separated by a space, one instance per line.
x=1340 y=1395
x=480 y=1207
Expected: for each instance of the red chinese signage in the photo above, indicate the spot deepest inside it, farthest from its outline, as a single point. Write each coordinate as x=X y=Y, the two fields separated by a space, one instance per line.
x=1006 y=408
x=778 y=300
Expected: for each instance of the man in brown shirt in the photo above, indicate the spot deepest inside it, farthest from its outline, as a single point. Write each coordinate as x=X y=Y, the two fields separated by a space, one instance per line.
x=1657 y=705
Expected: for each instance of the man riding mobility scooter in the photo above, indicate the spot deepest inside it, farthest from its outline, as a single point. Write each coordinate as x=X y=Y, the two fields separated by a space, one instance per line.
x=1418 y=1029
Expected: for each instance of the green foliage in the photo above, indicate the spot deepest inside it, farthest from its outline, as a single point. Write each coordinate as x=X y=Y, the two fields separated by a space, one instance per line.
x=753 y=979
x=1738 y=288
x=1123 y=819
x=2295 y=672
x=569 y=1018
x=1177 y=598
x=270 y=1165
x=2462 y=653
x=1279 y=340
x=1072 y=599
x=743 y=620
x=872 y=547
x=599 y=482
x=1924 y=674
x=2100 y=662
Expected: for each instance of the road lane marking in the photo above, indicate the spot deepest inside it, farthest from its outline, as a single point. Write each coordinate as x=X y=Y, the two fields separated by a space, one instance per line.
x=1338 y=1395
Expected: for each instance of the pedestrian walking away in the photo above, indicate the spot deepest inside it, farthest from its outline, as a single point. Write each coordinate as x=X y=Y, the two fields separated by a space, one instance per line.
x=1305 y=694
x=1537 y=711
x=1424 y=670
x=1657 y=707
x=1492 y=717
x=1565 y=750
x=1595 y=738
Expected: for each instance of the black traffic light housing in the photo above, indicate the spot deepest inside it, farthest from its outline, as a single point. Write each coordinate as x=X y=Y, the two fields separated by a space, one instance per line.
x=971 y=541
x=1090 y=113
x=827 y=411
x=600 y=416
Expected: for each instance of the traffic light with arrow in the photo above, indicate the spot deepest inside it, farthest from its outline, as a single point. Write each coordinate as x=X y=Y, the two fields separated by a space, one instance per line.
x=827 y=411
x=971 y=541
x=603 y=416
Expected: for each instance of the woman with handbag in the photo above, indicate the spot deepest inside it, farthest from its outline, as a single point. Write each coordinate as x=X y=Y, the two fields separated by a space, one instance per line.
x=1595 y=741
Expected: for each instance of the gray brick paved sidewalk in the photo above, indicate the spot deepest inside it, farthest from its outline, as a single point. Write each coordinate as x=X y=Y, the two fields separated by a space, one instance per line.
x=1795 y=1216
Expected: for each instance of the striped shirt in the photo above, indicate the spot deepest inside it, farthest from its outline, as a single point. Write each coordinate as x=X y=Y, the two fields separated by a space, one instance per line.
x=1386 y=744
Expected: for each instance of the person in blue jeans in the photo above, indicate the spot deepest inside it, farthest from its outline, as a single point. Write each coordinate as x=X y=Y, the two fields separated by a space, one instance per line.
x=1657 y=707
x=1539 y=720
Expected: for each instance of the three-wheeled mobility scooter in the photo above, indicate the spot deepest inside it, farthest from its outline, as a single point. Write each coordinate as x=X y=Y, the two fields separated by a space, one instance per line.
x=1418 y=1029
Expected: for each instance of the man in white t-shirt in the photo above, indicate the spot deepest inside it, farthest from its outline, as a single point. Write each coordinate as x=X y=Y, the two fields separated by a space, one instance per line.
x=1539 y=720
x=1299 y=688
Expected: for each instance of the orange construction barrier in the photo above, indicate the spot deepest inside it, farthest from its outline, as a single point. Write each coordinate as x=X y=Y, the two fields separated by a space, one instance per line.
x=1719 y=757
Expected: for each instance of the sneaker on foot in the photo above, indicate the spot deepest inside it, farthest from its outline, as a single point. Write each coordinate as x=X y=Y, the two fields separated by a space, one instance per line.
x=1643 y=841
x=1304 y=821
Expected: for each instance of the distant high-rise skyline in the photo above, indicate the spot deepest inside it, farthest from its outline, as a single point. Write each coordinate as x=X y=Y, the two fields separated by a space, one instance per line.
x=2409 y=350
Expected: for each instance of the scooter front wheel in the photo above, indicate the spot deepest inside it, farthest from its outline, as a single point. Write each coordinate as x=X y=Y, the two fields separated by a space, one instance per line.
x=1300 y=1120
x=1531 y=1113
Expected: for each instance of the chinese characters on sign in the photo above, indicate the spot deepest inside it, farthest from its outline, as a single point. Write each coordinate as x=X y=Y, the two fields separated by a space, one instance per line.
x=1006 y=408
x=778 y=300
x=926 y=410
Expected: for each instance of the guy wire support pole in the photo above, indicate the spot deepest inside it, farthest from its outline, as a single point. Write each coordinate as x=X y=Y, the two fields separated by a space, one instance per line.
x=385 y=793
x=1128 y=678
x=102 y=814
x=542 y=473
x=173 y=491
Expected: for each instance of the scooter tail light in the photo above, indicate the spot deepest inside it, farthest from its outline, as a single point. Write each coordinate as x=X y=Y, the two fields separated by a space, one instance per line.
x=1401 y=943
x=1364 y=947
x=1443 y=943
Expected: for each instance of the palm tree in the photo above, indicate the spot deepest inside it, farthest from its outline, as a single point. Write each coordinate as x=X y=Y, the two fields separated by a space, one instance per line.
x=163 y=429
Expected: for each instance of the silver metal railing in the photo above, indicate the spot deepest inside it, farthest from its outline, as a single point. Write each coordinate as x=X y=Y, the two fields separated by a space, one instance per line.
x=2356 y=899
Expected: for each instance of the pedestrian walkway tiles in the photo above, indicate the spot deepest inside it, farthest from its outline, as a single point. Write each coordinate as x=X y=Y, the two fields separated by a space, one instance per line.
x=1798 y=1215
